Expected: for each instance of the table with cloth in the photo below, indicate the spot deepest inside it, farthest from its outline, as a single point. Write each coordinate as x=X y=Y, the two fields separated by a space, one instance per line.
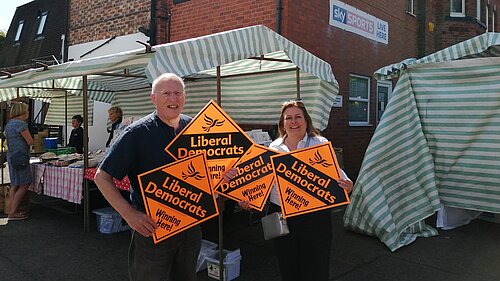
x=65 y=182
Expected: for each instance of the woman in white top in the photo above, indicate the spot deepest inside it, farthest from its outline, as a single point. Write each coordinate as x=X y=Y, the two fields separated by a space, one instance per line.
x=304 y=254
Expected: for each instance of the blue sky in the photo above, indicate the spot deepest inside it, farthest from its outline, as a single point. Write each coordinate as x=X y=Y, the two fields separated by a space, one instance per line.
x=7 y=11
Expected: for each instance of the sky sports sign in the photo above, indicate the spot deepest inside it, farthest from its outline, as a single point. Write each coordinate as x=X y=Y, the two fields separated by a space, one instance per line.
x=356 y=21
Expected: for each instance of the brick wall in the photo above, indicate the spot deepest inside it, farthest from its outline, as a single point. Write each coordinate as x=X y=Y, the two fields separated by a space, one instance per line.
x=453 y=30
x=349 y=53
x=101 y=19
x=201 y=17
x=304 y=22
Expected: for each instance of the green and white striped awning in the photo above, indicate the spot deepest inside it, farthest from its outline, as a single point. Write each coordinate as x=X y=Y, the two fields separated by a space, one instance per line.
x=438 y=142
x=484 y=45
x=243 y=52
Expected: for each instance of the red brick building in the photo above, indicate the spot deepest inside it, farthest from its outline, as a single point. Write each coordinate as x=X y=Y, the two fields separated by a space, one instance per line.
x=355 y=37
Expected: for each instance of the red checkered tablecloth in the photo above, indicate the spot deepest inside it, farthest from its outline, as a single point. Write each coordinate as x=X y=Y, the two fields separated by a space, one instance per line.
x=63 y=182
x=123 y=184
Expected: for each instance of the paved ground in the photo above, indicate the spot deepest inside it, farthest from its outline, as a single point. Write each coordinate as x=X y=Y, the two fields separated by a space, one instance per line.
x=51 y=245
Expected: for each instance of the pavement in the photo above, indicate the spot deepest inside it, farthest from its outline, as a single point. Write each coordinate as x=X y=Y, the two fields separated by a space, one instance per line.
x=51 y=245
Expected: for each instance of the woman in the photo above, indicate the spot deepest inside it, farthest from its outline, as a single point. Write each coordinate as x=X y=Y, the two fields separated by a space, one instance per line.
x=76 y=137
x=115 y=116
x=304 y=254
x=18 y=156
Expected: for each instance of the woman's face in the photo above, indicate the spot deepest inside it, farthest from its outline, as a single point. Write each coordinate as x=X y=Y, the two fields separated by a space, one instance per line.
x=113 y=116
x=294 y=122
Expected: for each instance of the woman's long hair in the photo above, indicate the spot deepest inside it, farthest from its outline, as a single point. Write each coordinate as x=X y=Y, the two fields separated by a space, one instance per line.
x=311 y=131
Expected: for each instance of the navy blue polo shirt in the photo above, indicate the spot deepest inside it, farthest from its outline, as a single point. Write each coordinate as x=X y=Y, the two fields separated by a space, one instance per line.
x=141 y=148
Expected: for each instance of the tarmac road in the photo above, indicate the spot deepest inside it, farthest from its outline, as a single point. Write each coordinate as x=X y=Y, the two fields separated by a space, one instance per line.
x=51 y=245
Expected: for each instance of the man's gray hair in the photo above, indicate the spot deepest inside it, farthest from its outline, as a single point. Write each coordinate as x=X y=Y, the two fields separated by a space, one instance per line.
x=167 y=76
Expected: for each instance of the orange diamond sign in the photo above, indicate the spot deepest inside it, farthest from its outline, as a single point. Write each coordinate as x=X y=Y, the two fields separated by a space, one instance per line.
x=254 y=180
x=214 y=133
x=178 y=196
x=306 y=180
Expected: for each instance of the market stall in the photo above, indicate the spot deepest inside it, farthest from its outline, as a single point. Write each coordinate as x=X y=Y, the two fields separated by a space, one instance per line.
x=254 y=68
x=436 y=145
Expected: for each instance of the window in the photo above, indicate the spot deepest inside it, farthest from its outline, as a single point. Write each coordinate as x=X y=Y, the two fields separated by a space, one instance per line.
x=457 y=8
x=409 y=6
x=359 y=100
x=42 y=18
x=179 y=1
x=19 y=30
x=384 y=90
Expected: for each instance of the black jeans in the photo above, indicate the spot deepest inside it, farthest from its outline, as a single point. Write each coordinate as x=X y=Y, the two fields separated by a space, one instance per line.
x=304 y=254
x=171 y=259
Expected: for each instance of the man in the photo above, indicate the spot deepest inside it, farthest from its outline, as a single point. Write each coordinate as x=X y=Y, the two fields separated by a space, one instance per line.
x=140 y=149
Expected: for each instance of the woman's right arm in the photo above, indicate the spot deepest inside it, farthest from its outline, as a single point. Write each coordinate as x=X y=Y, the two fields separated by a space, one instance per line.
x=27 y=137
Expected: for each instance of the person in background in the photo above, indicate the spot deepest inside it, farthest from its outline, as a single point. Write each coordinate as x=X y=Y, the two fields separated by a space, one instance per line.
x=115 y=115
x=18 y=158
x=141 y=148
x=303 y=254
x=76 y=137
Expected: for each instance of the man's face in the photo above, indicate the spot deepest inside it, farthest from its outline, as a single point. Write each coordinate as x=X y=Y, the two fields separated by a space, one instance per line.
x=169 y=98
x=75 y=123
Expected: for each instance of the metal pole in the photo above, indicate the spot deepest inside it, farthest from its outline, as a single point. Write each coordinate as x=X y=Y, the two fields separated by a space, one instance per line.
x=297 y=78
x=86 y=205
x=65 y=117
x=220 y=199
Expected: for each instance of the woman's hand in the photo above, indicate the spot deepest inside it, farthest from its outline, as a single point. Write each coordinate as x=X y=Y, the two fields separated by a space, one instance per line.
x=245 y=205
x=345 y=184
x=230 y=174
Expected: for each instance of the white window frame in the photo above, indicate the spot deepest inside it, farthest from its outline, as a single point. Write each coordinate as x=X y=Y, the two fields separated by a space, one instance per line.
x=409 y=7
x=367 y=101
x=457 y=14
x=19 y=30
x=42 y=19
x=388 y=85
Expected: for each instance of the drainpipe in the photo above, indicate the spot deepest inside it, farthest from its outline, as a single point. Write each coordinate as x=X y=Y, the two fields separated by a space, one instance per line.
x=421 y=28
x=169 y=20
x=152 y=24
x=279 y=8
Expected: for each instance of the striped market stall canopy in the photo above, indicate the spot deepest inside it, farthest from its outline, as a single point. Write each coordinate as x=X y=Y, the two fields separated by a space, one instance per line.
x=438 y=142
x=258 y=73
x=484 y=45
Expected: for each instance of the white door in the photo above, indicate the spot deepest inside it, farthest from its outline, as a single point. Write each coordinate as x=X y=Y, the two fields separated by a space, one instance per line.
x=384 y=91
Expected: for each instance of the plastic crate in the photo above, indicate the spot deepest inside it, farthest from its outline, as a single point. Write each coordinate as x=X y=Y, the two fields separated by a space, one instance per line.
x=109 y=221
x=231 y=265
x=62 y=150
x=208 y=250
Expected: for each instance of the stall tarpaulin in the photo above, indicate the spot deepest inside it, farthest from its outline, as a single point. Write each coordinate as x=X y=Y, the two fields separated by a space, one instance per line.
x=438 y=142
x=257 y=71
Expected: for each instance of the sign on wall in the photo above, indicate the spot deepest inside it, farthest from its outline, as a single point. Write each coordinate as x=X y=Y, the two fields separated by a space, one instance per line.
x=348 y=18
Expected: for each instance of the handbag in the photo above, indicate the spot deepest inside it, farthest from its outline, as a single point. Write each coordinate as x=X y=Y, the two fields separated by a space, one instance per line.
x=274 y=225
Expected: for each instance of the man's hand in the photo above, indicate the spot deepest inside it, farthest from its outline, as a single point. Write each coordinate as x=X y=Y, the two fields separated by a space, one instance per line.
x=141 y=223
